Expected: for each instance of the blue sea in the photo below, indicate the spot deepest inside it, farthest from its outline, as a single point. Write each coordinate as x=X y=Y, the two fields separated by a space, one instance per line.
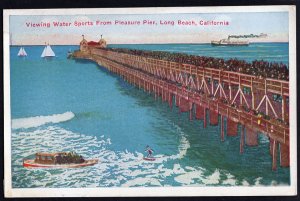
x=77 y=105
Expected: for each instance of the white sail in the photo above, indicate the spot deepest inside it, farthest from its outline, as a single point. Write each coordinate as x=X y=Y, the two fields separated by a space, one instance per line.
x=22 y=52
x=49 y=52
x=44 y=52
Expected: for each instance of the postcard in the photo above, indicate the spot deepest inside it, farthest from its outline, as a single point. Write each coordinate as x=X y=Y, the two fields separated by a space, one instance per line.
x=193 y=101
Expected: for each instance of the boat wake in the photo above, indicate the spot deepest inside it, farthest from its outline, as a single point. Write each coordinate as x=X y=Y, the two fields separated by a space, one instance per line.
x=30 y=122
x=115 y=168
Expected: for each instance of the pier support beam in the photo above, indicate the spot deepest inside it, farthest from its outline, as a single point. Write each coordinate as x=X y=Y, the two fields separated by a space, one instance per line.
x=191 y=111
x=204 y=119
x=184 y=105
x=159 y=92
x=147 y=87
x=284 y=111
x=271 y=145
x=284 y=155
x=170 y=100
x=232 y=128
x=177 y=100
x=165 y=96
x=213 y=118
x=222 y=128
x=199 y=112
x=274 y=155
x=251 y=137
x=242 y=139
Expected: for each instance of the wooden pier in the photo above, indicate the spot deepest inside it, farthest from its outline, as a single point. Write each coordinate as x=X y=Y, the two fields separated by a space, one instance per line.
x=198 y=90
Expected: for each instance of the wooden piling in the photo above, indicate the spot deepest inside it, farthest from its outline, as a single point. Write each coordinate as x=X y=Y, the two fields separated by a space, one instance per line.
x=284 y=155
x=271 y=145
x=204 y=119
x=177 y=100
x=242 y=139
x=251 y=137
x=199 y=112
x=232 y=128
x=191 y=111
x=274 y=155
x=213 y=118
x=171 y=100
x=222 y=128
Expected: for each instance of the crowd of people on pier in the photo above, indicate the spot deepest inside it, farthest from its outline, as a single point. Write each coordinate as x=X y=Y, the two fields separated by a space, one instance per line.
x=68 y=158
x=258 y=68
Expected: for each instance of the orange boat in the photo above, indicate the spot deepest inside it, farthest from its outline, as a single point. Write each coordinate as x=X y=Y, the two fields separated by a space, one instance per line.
x=58 y=160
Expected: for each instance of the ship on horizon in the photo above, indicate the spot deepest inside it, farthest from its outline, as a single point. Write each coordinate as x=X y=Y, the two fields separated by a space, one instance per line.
x=237 y=42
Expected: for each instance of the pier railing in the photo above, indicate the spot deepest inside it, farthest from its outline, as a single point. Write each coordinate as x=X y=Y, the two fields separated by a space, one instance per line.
x=260 y=89
x=145 y=63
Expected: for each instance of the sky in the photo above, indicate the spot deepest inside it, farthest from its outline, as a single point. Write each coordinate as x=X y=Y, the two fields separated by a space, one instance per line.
x=23 y=32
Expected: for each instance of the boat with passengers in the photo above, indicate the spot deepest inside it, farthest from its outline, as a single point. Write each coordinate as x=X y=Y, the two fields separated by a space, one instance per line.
x=58 y=160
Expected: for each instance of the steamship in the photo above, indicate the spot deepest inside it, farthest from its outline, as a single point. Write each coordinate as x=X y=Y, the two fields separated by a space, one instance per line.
x=228 y=42
x=237 y=41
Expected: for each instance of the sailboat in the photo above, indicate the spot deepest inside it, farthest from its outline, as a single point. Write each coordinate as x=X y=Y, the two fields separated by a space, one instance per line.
x=47 y=52
x=22 y=52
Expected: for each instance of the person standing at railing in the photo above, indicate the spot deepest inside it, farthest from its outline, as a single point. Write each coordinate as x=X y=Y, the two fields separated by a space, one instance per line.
x=259 y=119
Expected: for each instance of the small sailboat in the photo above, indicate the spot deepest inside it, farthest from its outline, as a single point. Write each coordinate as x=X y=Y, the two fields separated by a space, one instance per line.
x=22 y=52
x=48 y=52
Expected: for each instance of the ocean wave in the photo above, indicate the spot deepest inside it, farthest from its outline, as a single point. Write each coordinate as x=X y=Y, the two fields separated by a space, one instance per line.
x=30 y=122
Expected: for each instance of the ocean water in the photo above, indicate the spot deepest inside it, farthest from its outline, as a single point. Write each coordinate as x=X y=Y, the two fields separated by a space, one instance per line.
x=76 y=105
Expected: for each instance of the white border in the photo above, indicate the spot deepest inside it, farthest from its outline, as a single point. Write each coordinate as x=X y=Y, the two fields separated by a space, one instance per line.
x=150 y=10
x=150 y=191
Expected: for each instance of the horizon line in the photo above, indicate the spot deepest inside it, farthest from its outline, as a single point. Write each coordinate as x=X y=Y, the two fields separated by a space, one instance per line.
x=141 y=43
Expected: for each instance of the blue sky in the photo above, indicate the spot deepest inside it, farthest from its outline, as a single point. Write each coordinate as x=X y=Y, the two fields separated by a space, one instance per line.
x=275 y=24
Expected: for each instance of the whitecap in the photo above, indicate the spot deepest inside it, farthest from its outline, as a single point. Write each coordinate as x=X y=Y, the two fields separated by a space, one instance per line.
x=257 y=181
x=30 y=122
x=142 y=181
x=245 y=183
x=177 y=169
x=188 y=177
x=212 y=179
x=230 y=180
